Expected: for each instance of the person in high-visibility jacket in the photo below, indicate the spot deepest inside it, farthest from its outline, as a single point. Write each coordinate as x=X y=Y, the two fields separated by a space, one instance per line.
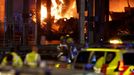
x=33 y=58
x=98 y=64
x=16 y=59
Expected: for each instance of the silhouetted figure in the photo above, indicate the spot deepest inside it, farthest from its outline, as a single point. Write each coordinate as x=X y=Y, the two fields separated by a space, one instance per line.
x=14 y=57
x=9 y=59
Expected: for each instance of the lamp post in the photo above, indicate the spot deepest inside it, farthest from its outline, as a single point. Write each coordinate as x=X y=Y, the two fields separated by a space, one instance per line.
x=91 y=14
x=25 y=21
x=82 y=20
x=38 y=22
x=9 y=21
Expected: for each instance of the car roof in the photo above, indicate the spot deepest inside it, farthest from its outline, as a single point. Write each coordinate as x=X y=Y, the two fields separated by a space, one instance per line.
x=103 y=49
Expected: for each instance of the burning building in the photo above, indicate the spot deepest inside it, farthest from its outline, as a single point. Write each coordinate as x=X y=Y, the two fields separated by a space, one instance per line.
x=58 y=9
x=118 y=5
x=122 y=17
x=57 y=16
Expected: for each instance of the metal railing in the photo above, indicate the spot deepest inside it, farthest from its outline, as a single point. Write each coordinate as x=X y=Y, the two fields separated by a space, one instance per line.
x=16 y=33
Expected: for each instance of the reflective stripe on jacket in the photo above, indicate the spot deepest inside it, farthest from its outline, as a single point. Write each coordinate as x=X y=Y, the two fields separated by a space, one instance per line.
x=17 y=61
x=32 y=59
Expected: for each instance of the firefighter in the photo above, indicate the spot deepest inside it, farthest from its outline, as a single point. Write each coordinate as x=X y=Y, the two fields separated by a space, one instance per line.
x=62 y=49
x=72 y=49
x=33 y=58
x=16 y=59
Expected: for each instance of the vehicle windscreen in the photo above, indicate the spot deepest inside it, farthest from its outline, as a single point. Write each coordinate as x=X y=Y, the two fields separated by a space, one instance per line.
x=83 y=57
x=110 y=56
x=128 y=58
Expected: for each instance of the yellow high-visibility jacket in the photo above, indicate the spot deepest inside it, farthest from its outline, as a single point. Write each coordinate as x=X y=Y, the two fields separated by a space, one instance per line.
x=17 y=61
x=32 y=59
x=98 y=65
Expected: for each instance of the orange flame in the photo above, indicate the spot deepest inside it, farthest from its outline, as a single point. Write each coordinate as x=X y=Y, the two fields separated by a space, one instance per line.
x=57 y=10
x=72 y=11
x=2 y=4
x=43 y=12
x=118 y=5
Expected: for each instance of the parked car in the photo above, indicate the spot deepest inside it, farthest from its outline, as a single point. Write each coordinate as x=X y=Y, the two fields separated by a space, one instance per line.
x=88 y=58
x=125 y=65
x=106 y=61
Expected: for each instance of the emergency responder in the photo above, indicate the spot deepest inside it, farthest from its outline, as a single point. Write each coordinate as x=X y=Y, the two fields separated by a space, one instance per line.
x=16 y=59
x=98 y=64
x=62 y=38
x=62 y=49
x=33 y=58
x=9 y=59
x=63 y=45
x=72 y=48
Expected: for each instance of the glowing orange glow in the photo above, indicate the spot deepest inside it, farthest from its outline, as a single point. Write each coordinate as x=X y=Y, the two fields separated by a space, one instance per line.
x=110 y=19
x=2 y=4
x=55 y=27
x=57 y=10
x=71 y=11
x=118 y=5
x=43 y=12
x=2 y=14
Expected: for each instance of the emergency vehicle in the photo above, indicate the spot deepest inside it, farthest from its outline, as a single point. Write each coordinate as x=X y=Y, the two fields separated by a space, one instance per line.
x=122 y=63
x=106 y=61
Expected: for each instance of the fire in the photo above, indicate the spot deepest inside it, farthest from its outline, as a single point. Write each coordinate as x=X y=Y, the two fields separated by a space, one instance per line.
x=71 y=11
x=2 y=4
x=118 y=5
x=43 y=12
x=56 y=9
x=59 y=9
